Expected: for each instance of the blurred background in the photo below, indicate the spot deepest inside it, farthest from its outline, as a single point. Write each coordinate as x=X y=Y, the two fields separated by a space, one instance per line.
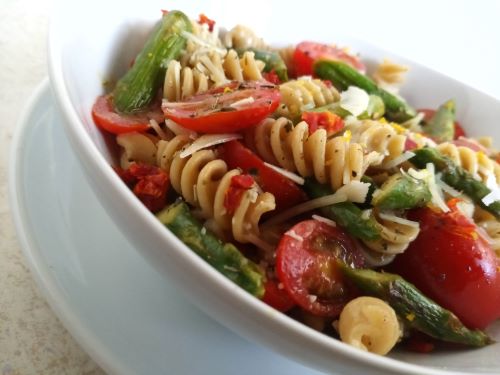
x=458 y=38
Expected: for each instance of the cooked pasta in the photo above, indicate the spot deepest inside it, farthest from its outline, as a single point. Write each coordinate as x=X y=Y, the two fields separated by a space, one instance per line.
x=181 y=83
x=303 y=94
x=492 y=228
x=286 y=54
x=396 y=234
x=379 y=137
x=242 y=37
x=369 y=324
x=202 y=179
x=136 y=147
x=389 y=73
x=334 y=161
x=246 y=68
x=476 y=163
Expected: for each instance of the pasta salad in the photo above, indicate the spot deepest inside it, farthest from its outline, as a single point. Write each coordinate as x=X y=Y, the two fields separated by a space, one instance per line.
x=312 y=184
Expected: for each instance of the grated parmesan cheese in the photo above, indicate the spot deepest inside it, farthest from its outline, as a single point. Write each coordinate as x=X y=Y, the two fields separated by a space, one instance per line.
x=290 y=175
x=180 y=130
x=201 y=42
x=399 y=220
x=295 y=236
x=208 y=140
x=354 y=100
x=242 y=102
x=436 y=196
x=325 y=220
x=398 y=160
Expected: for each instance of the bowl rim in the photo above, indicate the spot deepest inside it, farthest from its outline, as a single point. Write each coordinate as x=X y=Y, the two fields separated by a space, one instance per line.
x=95 y=163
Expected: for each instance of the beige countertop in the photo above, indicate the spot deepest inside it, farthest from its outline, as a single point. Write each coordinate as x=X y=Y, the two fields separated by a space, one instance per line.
x=32 y=340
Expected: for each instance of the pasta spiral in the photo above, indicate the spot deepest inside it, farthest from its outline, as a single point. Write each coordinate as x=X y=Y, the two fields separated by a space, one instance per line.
x=335 y=161
x=380 y=137
x=492 y=228
x=137 y=147
x=203 y=180
x=243 y=37
x=301 y=94
x=369 y=324
x=184 y=82
x=389 y=73
x=286 y=54
x=395 y=235
x=476 y=163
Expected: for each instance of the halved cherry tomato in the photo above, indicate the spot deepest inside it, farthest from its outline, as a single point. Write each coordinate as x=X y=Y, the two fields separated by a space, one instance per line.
x=149 y=183
x=286 y=193
x=453 y=265
x=229 y=108
x=105 y=116
x=237 y=187
x=276 y=297
x=327 y=120
x=459 y=130
x=271 y=77
x=306 y=53
x=307 y=264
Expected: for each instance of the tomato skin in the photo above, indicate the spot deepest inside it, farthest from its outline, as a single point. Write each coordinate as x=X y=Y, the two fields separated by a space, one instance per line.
x=453 y=265
x=211 y=112
x=286 y=193
x=306 y=53
x=105 y=116
x=239 y=184
x=459 y=130
x=276 y=297
x=307 y=265
x=327 y=120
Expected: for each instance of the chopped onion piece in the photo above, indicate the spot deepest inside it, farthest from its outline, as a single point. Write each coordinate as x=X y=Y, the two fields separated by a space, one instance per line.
x=291 y=176
x=398 y=160
x=207 y=140
x=399 y=220
x=354 y=100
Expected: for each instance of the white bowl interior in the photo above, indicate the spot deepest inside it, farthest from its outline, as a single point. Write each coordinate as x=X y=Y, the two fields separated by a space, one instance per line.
x=97 y=44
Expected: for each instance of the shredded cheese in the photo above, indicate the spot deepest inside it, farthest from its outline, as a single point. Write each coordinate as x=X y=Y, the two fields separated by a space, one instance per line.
x=242 y=102
x=436 y=196
x=324 y=220
x=179 y=130
x=291 y=176
x=156 y=127
x=446 y=188
x=398 y=160
x=201 y=42
x=399 y=220
x=354 y=100
x=207 y=140
x=295 y=236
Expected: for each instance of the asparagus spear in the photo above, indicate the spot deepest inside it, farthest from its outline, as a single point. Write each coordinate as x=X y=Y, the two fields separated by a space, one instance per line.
x=402 y=192
x=441 y=126
x=272 y=60
x=224 y=257
x=456 y=177
x=415 y=309
x=343 y=75
x=138 y=87
x=346 y=214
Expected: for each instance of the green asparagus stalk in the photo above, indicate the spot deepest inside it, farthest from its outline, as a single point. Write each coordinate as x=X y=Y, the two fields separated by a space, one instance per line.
x=456 y=177
x=224 y=257
x=343 y=75
x=441 y=126
x=272 y=60
x=402 y=192
x=375 y=110
x=138 y=87
x=346 y=214
x=414 y=308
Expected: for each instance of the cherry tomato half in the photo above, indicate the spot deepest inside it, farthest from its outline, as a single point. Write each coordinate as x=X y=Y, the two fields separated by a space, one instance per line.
x=286 y=193
x=306 y=53
x=459 y=130
x=307 y=264
x=105 y=116
x=453 y=265
x=226 y=109
x=276 y=297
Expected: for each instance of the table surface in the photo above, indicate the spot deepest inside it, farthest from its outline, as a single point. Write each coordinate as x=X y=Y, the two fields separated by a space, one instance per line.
x=456 y=37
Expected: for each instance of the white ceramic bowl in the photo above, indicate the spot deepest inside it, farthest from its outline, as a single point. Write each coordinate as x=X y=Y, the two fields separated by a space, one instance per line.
x=96 y=41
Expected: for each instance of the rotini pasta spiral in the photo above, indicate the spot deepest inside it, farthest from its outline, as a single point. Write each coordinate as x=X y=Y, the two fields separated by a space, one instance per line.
x=137 y=147
x=184 y=82
x=243 y=37
x=476 y=163
x=301 y=94
x=492 y=228
x=369 y=324
x=335 y=161
x=389 y=73
x=286 y=54
x=380 y=137
x=396 y=234
x=203 y=180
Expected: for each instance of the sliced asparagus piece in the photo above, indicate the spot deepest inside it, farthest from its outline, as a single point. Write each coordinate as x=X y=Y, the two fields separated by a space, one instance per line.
x=441 y=127
x=402 y=192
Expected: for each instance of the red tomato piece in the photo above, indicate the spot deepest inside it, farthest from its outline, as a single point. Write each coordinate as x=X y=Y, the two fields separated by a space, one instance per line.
x=307 y=264
x=453 y=265
x=105 y=116
x=410 y=144
x=327 y=120
x=286 y=193
x=239 y=184
x=271 y=77
x=230 y=108
x=459 y=130
x=204 y=19
x=306 y=53
x=149 y=183
x=276 y=297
